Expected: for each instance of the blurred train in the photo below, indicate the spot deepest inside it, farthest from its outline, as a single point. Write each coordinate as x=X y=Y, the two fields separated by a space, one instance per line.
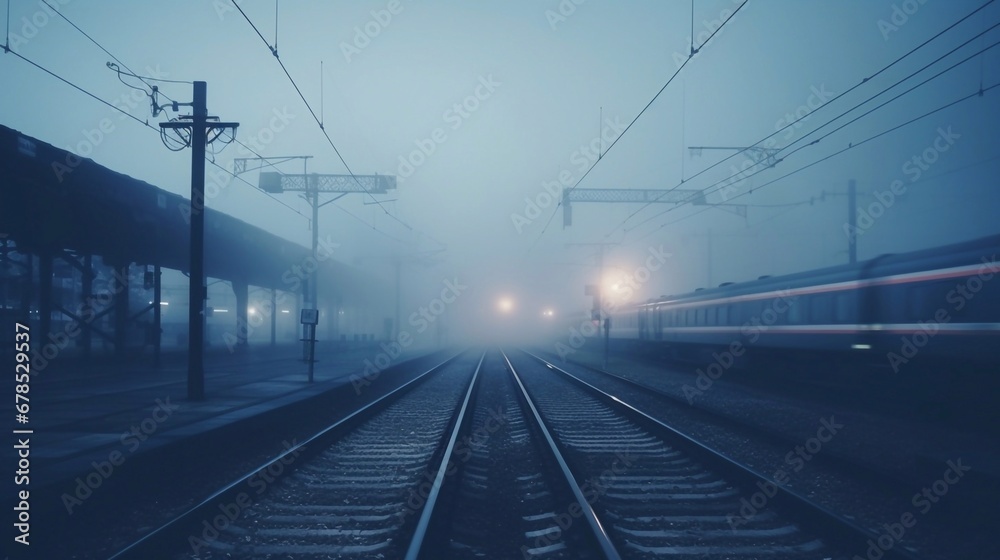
x=941 y=303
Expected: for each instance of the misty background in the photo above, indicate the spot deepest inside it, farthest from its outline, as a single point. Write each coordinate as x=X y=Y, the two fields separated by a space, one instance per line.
x=476 y=107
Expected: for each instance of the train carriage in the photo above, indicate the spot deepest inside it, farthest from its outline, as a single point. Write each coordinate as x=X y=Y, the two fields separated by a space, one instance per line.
x=942 y=302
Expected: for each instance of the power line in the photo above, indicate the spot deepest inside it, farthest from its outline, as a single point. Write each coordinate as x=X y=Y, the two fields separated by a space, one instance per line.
x=138 y=120
x=793 y=122
x=145 y=80
x=651 y=101
x=274 y=51
x=850 y=146
x=722 y=183
x=107 y=52
x=709 y=190
x=80 y=89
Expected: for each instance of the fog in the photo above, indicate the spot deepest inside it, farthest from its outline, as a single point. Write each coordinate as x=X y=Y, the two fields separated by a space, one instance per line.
x=486 y=111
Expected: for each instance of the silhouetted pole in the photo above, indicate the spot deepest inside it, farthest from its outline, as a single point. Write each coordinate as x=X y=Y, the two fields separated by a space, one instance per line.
x=198 y=123
x=313 y=285
x=157 y=315
x=274 y=320
x=396 y=327
x=196 y=279
x=852 y=219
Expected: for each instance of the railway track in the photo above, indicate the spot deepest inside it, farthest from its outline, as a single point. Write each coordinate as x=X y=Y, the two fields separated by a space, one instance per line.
x=507 y=494
x=352 y=491
x=492 y=458
x=859 y=471
x=659 y=493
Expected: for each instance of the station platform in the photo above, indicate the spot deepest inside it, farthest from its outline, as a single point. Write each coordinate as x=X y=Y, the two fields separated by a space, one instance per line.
x=83 y=413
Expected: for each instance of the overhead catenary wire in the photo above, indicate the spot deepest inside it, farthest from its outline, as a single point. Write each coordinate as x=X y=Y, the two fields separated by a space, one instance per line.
x=647 y=106
x=850 y=146
x=722 y=183
x=138 y=120
x=797 y=120
x=184 y=141
x=274 y=51
x=128 y=71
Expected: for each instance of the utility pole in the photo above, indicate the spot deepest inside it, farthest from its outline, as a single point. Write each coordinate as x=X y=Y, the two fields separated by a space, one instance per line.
x=312 y=197
x=598 y=314
x=198 y=124
x=399 y=277
x=312 y=185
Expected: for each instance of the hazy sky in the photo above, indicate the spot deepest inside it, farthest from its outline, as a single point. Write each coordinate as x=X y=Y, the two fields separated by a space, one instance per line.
x=475 y=105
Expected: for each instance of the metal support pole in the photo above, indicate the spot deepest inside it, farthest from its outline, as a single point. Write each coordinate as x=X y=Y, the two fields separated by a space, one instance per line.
x=274 y=317
x=45 y=295
x=242 y=291
x=27 y=286
x=196 y=285
x=312 y=351
x=395 y=324
x=314 y=284
x=157 y=315
x=87 y=283
x=121 y=311
x=607 y=339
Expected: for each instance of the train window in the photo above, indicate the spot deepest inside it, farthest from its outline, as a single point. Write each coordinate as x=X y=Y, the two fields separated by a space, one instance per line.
x=916 y=297
x=723 y=314
x=986 y=305
x=688 y=317
x=794 y=312
x=734 y=314
x=844 y=307
x=702 y=316
x=923 y=300
x=819 y=309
